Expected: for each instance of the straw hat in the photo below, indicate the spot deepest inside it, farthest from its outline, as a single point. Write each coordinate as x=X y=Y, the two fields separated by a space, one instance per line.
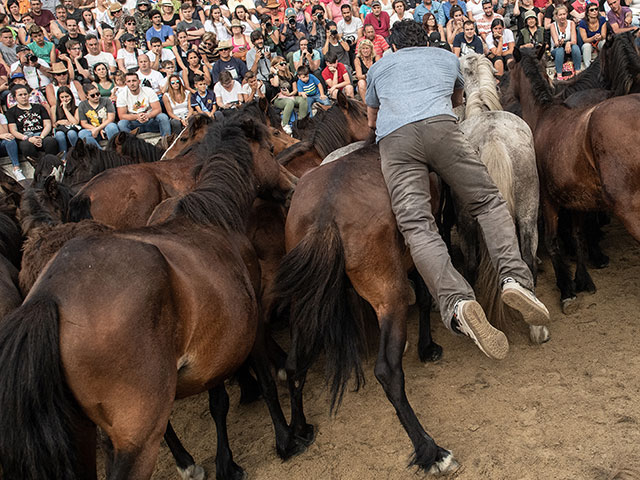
x=224 y=44
x=166 y=3
x=237 y=23
x=59 y=67
x=115 y=7
x=272 y=4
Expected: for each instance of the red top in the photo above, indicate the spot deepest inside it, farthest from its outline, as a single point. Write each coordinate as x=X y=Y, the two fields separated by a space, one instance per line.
x=380 y=24
x=328 y=75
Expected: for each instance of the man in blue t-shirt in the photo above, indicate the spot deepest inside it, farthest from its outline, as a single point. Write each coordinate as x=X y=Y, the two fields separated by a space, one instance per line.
x=236 y=67
x=418 y=132
x=467 y=41
x=159 y=30
x=310 y=87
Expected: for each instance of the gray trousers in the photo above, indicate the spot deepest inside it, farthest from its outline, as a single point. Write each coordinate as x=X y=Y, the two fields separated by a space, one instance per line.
x=438 y=144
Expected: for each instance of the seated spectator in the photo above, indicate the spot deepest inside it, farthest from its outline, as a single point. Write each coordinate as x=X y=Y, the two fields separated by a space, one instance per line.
x=337 y=45
x=119 y=78
x=41 y=48
x=533 y=35
x=169 y=16
x=259 y=58
x=101 y=14
x=143 y=21
x=61 y=78
x=9 y=147
x=97 y=115
x=192 y=26
x=468 y=42
x=218 y=24
x=159 y=30
x=177 y=101
x=593 y=31
x=203 y=99
x=4 y=81
x=429 y=6
x=291 y=32
x=249 y=22
x=378 y=19
x=35 y=70
x=127 y=58
x=235 y=67
x=400 y=12
x=73 y=33
x=447 y=6
x=228 y=92
x=310 y=87
x=564 y=41
x=380 y=45
x=500 y=44
x=194 y=68
x=365 y=9
x=72 y=11
x=252 y=88
x=149 y=77
x=167 y=68
x=580 y=9
x=239 y=42
x=94 y=55
x=58 y=27
x=363 y=62
x=30 y=124
x=108 y=42
x=308 y=57
x=455 y=26
x=66 y=123
x=131 y=29
x=157 y=54
x=430 y=25
x=207 y=50
x=35 y=95
x=181 y=48
x=521 y=7
x=138 y=107
x=617 y=17
x=317 y=27
x=336 y=77
x=7 y=48
x=333 y=9
x=483 y=23
x=42 y=17
x=350 y=27
x=287 y=97
x=88 y=24
x=76 y=63
x=103 y=80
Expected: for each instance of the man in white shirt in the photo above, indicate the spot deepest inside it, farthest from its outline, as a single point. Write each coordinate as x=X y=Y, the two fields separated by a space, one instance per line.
x=94 y=54
x=138 y=107
x=350 y=27
x=35 y=70
x=149 y=77
x=157 y=54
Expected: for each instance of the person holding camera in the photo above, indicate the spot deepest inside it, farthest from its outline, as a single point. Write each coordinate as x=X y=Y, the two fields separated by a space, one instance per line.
x=259 y=57
x=317 y=27
x=337 y=45
x=35 y=70
x=270 y=27
x=351 y=28
x=291 y=32
x=532 y=35
x=308 y=57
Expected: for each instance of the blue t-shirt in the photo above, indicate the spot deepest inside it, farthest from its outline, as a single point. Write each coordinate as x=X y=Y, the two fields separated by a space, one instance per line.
x=583 y=24
x=236 y=67
x=205 y=103
x=165 y=32
x=311 y=87
x=425 y=77
x=475 y=46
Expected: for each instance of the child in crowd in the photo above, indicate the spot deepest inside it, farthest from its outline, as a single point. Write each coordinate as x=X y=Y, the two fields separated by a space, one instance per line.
x=310 y=87
x=168 y=68
x=365 y=9
x=252 y=88
x=202 y=100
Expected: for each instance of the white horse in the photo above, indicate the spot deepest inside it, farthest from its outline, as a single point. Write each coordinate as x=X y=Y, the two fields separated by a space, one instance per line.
x=505 y=144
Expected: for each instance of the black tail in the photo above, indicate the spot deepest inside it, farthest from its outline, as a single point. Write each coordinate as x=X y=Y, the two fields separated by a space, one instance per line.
x=36 y=407
x=312 y=287
x=80 y=208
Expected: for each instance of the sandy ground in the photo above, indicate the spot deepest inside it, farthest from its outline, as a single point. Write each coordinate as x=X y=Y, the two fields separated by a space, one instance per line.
x=568 y=409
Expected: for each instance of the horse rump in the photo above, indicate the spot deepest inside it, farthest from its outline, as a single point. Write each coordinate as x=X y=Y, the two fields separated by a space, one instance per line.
x=80 y=208
x=312 y=287
x=36 y=406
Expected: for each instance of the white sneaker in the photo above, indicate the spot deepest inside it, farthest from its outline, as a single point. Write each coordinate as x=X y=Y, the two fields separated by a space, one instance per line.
x=469 y=319
x=18 y=175
x=287 y=129
x=524 y=301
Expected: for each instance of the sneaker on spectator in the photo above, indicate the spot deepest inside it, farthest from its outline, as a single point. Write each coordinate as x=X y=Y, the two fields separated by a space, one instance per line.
x=17 y=173
x=470 y=320
x=524 y=301
x=287 y=129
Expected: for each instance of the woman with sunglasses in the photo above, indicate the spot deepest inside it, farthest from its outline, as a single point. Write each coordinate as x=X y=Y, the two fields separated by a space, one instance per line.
x=287 y=98
x=127 y=57
x=97 y=115
x=193 y=68
x=60 y=75
x=176 y=100
x=593 y=31
x=207 y=50
x=130 y=27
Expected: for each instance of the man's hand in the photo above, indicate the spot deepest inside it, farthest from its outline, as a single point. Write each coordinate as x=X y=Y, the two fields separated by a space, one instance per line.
x=37 y=141
x=6 y=136
x=303 y=95
x=95 y=131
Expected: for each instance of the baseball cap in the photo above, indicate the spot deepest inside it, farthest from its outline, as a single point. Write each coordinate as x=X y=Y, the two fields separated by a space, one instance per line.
x=17 y=75
x=127 y=37
x=22 y=48
x=376 y=3
x=289 y=12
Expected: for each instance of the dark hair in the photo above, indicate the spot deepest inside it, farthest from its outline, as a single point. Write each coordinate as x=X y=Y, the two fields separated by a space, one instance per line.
x=317 y=8
x=186 y=5
x=255 y=35
x=467 y=22
x=72 y=105
x=455 y=9
x=345 y=6
x=106 y=67
x=166 y=63
x=71 y=18
x=303 y=70
x=71 y=43
x=224 y=77
x=407 y=33
x=198 y=79
x=5 y=30
x=330 y=24
x=331 y=57
x=155 y=40
x=90 y=36
x=89 y=87
x=153 y=13
x=60 y=7
x=17 y=87
x=249 y=75
x=496 y=22
x=130 y=73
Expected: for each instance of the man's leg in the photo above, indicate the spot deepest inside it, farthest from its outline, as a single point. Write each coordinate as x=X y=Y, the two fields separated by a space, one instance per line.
x=125 y=125
x=27 y=149
x=111 y=130
x=164 y=124
x=85 y=135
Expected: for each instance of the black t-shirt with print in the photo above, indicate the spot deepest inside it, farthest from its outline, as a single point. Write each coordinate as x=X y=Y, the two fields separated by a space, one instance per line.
x=30 y=120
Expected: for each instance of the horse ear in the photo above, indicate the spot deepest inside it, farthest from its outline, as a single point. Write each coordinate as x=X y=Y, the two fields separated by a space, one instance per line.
x=79 y=147
x=121 y=137
x=263 y=104
x=134 y=131
x=517 y=55
x=250 y=127
x=540 y=52
x=60 y=155
x=199 y=122
x=51 y=187
x=342 y=100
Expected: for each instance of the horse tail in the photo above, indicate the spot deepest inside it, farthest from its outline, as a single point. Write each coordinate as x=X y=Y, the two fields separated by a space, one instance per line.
x=36 y=407
x=80 y=208
x=312 y=287
x=495 y=156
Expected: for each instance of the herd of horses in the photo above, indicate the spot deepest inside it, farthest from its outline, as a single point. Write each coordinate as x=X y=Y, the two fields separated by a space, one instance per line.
x=137 y=275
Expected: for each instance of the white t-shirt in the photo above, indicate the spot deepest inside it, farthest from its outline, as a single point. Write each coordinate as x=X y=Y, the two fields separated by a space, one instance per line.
x=104 y=57
x=394 y=18
x=246 y=89
x=219 y=29
x=130 y=59
x=3 y=120
x=226 y=96
x=156 y=79
x=507 y=36
x=34 y=78
x=165 y=54
x=136 y=103
x=350 y=29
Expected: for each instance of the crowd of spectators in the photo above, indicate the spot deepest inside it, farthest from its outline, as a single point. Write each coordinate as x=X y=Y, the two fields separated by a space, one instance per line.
x=90 y=68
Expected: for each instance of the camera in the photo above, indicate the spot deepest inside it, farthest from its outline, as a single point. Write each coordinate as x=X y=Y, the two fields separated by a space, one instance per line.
x=333 y=32
x=309 y=49
x=292 y=21
x=319 y=16
x=32 y=58
x=268 y=26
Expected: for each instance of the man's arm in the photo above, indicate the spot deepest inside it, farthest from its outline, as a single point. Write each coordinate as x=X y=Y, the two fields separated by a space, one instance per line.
x=372 y=116
x=124 y=115
x=156 y=109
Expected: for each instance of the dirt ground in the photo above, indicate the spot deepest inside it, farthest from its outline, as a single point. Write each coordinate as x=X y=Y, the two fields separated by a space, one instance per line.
x=568 y=409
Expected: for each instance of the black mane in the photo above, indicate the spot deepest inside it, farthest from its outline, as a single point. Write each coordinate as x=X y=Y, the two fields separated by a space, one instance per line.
x=254 y=109
x=539 y=86
x=44 y=168
x=134 y=148
x=620 y=64
x=590 y=78
x=85 y=161
x=44 y=206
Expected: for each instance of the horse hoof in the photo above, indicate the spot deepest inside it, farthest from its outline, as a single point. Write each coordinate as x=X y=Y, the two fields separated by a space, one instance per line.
x=282 y=375
x=600 y=262
x=432 y=353
x=307 y=435
x=539 y=334
x=445 y=466
x=299 y=443
x=570 y=305
x=192 y=472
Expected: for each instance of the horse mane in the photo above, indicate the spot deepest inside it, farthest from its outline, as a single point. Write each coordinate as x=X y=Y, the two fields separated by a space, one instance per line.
x=254 y=109
x=134 y=148
x=588 y=79
x=620 y=64
x=480 y=85
x=10 y=235
x=39 y=204
x=327 y=130
x=45 y=167
x=540 y=89
x=225 y=187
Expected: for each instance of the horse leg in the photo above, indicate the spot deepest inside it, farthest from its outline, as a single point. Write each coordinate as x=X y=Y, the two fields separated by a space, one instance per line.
x=85 y=444
x=295 y=381
x=564 y=281
x=388 y=370
x=528 y=236
x=428 y=350
x=249 y=387
x=583 y=280
x=187 y=468
x=226 y=468
x=594 y=234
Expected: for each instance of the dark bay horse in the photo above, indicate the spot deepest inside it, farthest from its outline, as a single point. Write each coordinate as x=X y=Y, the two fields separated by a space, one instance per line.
x=129 y=145
x=586 y=158
x=341 y=236
x=10 y=244
x=175 y=315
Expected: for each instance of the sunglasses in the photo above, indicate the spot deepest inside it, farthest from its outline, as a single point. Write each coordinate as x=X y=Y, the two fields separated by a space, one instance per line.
x=175 y=83
x=282 y=64
x=224 y=49
x=93 y=95
x=130 y=23
x=60 y=73
x=593 y=10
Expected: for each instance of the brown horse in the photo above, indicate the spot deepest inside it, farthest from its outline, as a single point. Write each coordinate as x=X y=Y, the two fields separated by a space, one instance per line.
x=174 y=313
x=586 y=158
x=10 y=244
x=341 y=234
x=125 y=197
